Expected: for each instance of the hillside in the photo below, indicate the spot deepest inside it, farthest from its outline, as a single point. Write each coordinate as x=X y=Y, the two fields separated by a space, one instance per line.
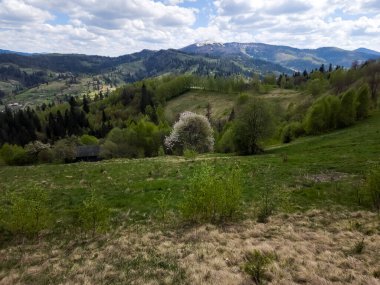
x=322 y=214
x=21 y=75
x=292 y=58
x=221 y=104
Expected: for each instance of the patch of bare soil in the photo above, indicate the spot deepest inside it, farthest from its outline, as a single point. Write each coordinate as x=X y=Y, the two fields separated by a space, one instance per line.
x=311 y=248
x=330 y=176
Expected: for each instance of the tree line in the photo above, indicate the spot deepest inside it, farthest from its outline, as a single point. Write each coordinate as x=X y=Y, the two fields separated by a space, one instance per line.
x=130 y=122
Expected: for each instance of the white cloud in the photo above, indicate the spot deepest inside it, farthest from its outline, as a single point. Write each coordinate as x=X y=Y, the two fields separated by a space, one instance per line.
x=300 y=23
x=16 y=11
x=121 y=26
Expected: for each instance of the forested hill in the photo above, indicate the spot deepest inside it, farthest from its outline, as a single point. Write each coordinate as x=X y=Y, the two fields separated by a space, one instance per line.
x=22 y=75
x=21 y=72
x=289 y=57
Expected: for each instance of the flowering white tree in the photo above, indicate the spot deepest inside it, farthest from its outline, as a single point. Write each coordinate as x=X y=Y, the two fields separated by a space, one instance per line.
x=191 y=131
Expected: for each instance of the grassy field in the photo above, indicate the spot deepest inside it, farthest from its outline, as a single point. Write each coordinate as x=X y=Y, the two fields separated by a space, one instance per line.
x=322 y=215
x=222 y=103
x=314 y=171
x=56 y=91
x=197 y=101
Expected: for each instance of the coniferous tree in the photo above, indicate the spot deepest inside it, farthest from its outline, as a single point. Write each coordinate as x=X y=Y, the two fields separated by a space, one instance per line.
x=322 y=68
x=146 y=99
x=85 y=106
x=72 y=102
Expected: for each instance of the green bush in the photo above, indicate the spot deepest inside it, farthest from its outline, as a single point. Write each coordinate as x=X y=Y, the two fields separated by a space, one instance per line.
x=256 y=265
x=88 y=140
x=225 y=143
x=363 y=102
x=253 y=124
x=94 y=215
x=190 y=154
x=373 y=187
x=65 y=150
x=137 y=140
x=211 y=197
x=323 y=115
x=26 y=212
x=15 y=155
x=291 y=131
x=242 y=99
x=347 y=114
x=317 y=86
x=163 y=204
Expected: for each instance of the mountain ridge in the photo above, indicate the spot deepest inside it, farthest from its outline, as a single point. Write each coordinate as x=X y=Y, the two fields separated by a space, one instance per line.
x=20 y=71
x=287 y=56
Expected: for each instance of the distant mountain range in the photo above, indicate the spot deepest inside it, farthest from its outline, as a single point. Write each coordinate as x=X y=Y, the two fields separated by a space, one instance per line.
x=206 y=57
x=4 y=51
x=289 y=57
x=20 y=71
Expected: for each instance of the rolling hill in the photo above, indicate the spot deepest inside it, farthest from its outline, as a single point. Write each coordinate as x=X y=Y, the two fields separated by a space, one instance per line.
x=24 y=74
x=289 y=57
x=19 y=73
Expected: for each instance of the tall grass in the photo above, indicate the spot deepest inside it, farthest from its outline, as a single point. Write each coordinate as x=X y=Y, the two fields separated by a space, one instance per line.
x=212 y=197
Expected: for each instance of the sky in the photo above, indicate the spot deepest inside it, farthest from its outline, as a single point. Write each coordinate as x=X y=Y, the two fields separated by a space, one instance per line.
x=119 y=27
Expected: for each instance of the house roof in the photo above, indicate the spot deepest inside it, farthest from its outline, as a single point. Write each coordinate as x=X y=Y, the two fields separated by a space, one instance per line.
x=88 y=151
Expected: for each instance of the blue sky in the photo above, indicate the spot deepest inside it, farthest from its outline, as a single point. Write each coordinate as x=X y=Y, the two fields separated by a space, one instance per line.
x=125 y=26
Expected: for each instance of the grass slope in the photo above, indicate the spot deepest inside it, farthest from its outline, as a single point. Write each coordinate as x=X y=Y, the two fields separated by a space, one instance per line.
x=222 y=103
x=322 y=234
x=197 y=101
x=312 y=172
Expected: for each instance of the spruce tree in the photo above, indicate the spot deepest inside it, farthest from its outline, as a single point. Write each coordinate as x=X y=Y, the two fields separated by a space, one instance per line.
x=85 y=106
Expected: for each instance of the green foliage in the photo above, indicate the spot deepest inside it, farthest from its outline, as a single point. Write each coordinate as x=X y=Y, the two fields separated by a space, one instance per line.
x=338 y=80
x=190 y=154
x=225 y=84
x=292 y=131
x=225 y=144
x=34 y=149
x=141 y=139
x=65 y=150
x=363 y=102
x=270 y=79
x=163 y=203
x=317 y=86
x=373 y=187
x=347 y=114
x=174 y=87
x=26 y=212
x=256 y=264
x=211 y=197
x=161 y=151
x=15 y=155
x=94 y=214
x=253 y=124
x=267 y=206
x=322 y=115
x=88 y=140
x=242 y=99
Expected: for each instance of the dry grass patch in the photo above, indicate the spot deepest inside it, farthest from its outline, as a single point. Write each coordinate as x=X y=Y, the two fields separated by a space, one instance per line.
x=310 y=248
